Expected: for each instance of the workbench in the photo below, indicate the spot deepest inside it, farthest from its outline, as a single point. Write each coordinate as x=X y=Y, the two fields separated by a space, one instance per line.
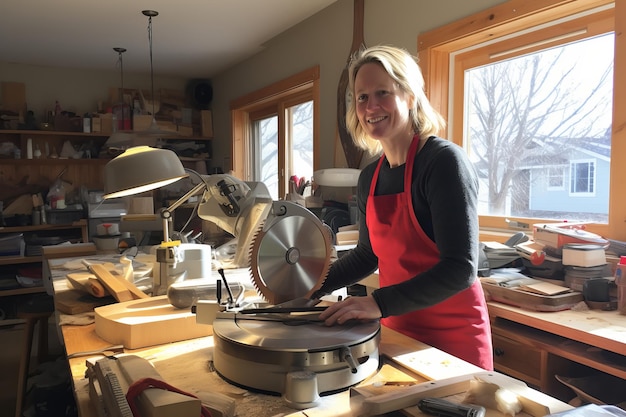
x=187 y=366
x=535 y=346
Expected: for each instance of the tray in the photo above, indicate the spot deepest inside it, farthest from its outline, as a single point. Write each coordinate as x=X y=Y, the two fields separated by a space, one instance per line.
x=530 y=301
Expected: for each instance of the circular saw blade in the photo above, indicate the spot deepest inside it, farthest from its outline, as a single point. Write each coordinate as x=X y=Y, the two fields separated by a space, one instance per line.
x=290 y=255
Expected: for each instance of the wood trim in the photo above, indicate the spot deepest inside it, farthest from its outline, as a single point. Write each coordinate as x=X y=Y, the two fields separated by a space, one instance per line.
x=617 y=200
x=295 y=89
x=291 y=84
x=434 y=48
x=500 y=20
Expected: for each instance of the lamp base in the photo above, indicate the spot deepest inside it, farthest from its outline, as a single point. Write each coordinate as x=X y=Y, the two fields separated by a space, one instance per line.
x=180 y=263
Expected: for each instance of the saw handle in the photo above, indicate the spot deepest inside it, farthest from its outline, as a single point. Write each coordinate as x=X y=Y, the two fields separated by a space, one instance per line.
x=231 y=299
x=444 y=408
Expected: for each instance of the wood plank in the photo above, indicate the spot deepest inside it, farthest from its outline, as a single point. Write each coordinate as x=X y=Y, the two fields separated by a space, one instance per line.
x=117 y=289
x=136 y=292
x=534 y=403
x=76 y=302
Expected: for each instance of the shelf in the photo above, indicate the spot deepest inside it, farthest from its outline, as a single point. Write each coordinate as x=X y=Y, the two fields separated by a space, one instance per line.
x=561 y=346
x=22 y=291
x=25 y=229
x=53 y=133
x=54 y=161
x=15 y=260
x=94 y=134
x=80 y=225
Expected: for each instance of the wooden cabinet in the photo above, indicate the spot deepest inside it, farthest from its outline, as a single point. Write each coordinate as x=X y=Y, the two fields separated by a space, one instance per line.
x=10 y=265
x=517 y=359
x=30 y=175
x=85 y=170
x=75 y=232
x=536 y=346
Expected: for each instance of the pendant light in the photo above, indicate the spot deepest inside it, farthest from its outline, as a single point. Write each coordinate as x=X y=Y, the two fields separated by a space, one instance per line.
x=150 y=136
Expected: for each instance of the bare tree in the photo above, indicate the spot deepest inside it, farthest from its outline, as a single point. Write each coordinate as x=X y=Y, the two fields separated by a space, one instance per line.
x=302 y=140
x=520 y=107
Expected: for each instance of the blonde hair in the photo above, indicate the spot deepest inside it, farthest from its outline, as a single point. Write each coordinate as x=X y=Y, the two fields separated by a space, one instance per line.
x=403 y=69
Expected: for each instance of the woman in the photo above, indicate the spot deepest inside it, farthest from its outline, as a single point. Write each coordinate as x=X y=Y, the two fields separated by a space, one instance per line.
x=418 y=215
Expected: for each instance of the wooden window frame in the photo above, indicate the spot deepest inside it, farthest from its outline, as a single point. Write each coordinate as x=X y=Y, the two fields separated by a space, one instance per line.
x=436 y=46
x=295 y=89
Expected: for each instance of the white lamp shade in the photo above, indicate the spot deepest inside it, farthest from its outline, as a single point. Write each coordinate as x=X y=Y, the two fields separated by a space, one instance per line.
x=140 y=169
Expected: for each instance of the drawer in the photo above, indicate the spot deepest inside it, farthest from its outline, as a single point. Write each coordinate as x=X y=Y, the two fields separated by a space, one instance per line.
x=516 y=358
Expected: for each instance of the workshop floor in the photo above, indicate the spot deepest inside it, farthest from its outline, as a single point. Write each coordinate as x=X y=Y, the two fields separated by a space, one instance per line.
x=11 y=344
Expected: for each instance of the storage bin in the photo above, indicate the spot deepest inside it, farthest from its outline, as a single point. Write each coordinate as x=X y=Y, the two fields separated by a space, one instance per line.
x=63 y=216
x=12 y=245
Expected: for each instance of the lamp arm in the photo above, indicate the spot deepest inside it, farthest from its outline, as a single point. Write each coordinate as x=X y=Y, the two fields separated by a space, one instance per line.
x=166 y=214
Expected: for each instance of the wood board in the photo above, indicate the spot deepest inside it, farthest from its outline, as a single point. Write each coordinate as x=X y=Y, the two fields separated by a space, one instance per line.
x=365 y=402
x=76 y=302
x=113 y=285
x=147 y=322
x=88 y=283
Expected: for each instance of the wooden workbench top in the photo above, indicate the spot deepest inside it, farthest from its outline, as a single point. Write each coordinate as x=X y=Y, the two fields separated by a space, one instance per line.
x=602 y=329
x=187 y=365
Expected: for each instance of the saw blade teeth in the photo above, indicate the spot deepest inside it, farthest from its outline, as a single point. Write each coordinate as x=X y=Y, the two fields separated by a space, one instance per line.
x=278 y=230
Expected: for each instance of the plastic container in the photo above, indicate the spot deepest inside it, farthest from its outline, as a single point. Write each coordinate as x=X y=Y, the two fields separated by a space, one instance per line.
x=63 y=216
x=620 y=282
x=12 y=245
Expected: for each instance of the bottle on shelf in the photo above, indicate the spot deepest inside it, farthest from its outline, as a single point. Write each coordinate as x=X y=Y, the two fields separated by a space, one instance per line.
x=29 y=148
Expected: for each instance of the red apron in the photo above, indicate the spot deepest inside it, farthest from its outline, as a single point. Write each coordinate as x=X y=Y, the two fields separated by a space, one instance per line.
x=458 y=325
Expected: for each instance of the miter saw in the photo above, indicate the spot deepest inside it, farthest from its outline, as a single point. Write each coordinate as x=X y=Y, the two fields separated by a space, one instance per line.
x=273 y=348
x=286 y=247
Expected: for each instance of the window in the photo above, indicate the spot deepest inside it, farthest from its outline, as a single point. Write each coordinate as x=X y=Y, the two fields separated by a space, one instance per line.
x=556 y=178
x=582 y=178
x=536 y=121
x=275 y=131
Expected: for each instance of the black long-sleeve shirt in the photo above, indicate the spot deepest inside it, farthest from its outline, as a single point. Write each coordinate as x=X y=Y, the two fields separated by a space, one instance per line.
x=445 y=197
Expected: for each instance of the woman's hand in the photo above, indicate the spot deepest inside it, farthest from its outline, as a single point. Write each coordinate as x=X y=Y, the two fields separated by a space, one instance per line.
x=352 y=308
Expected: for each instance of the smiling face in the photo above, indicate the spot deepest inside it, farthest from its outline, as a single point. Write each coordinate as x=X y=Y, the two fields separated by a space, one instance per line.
x=381 y=106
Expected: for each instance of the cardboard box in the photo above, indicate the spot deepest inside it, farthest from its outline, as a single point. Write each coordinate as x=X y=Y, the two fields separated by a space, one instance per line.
x=106 y=123
x=167 y=125
x=14 y=98
x=141 y=122
x=96 y=124
x=185 y=130
x=207 y=123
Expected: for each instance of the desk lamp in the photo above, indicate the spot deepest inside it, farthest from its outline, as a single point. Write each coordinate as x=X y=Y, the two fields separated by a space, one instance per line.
x=140 y=169
x=233 y=205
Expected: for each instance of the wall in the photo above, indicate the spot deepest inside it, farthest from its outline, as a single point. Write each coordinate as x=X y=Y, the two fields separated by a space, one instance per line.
x=324 y=39
x=76 y=90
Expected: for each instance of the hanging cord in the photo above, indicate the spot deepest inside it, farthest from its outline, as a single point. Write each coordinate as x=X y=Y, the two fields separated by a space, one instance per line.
x=120 y=61
x=141 y=385
x=150 y=14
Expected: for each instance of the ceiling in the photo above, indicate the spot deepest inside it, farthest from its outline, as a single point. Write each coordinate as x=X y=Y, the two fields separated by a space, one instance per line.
x=190 y=38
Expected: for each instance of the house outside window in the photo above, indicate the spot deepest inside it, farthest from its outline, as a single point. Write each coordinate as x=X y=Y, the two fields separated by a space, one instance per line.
x=532 y=108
